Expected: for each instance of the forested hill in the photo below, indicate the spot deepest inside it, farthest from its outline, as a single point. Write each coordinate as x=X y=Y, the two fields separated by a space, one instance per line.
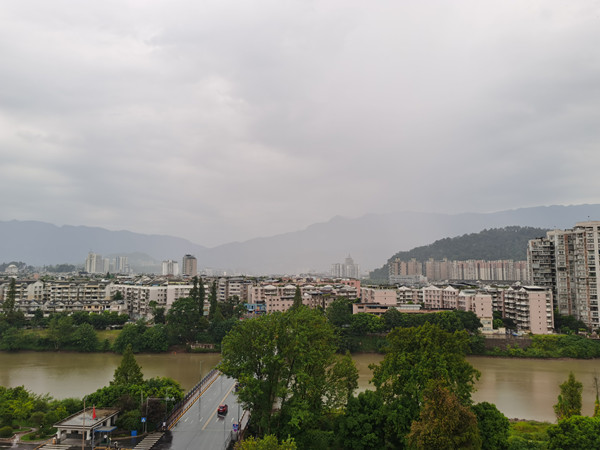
x=490 y=244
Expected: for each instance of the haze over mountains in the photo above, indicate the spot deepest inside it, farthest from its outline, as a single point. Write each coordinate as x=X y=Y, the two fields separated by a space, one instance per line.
x=370 y=239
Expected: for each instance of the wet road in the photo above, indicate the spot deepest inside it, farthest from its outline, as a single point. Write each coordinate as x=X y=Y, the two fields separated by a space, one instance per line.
x=201 y=427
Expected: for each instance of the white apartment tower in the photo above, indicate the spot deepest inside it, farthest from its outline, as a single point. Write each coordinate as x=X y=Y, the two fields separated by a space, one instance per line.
x=345 y=270
x=567 y=262
x=94 y=263
x=170 y=267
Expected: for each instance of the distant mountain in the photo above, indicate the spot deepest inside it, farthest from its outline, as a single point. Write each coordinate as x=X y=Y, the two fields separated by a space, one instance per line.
x=370 y=240
x=40 y=243
x=493 y=244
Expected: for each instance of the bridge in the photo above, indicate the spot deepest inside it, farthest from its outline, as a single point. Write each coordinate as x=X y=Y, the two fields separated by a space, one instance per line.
x=194 y=423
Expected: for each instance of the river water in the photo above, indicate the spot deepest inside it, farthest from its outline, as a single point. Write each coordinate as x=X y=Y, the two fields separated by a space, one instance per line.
x=520 y=388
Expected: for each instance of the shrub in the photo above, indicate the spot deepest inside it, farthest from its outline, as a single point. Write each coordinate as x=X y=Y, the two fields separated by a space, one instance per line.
x=6 y=432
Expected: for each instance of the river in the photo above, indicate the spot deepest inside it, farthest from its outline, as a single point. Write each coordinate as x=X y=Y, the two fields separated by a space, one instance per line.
x=520 y=388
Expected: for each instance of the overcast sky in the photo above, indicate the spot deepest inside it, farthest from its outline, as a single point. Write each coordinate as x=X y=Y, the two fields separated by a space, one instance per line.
x=226 y=120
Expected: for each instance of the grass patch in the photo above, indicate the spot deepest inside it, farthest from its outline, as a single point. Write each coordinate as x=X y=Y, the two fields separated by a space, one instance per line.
x=37 y=436
x=111 y=335
x=529 y=434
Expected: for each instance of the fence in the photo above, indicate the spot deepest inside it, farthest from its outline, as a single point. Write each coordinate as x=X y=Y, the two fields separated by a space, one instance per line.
x=182 y=406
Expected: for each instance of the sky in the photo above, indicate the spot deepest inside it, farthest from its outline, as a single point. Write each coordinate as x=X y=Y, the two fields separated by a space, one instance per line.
x=221 y=121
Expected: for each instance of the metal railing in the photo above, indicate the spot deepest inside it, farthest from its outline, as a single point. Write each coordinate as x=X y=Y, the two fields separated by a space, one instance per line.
x=188 y=400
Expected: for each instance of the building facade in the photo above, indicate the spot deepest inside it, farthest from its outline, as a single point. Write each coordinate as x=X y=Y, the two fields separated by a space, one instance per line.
x=189 y=266
x=566 y=261
x=409 y=272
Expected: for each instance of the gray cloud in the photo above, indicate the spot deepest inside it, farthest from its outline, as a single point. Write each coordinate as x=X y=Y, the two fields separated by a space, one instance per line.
x=220 y=121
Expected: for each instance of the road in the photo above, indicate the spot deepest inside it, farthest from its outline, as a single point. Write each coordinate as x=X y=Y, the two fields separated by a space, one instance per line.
x=200 y=427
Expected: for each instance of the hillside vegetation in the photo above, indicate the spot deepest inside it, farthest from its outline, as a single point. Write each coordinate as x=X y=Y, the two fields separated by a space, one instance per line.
x=489 y=244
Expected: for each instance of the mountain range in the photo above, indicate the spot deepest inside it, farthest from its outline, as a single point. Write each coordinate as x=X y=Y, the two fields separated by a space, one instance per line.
x=370 y=239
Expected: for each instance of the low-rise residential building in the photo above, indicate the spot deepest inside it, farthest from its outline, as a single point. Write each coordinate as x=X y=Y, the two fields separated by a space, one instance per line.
x=531 y=308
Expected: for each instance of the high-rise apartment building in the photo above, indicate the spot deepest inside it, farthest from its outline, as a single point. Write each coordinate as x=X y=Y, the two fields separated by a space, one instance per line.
x=122 y=264
x=347 y=269
x=189 y=266
x=170 y=267
x=567 y=262
x=94 y=263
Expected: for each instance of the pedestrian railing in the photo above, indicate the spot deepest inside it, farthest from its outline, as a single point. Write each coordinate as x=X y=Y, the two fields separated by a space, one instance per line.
x=188 y=400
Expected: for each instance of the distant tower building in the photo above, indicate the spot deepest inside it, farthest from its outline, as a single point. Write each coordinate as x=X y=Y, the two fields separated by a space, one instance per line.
x=170 y=267
x=347 y=269
x=189 y=266
x=94 y=263
x=122 y=264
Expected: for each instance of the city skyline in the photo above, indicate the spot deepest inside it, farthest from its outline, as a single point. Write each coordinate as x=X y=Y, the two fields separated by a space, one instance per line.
x=236 y=121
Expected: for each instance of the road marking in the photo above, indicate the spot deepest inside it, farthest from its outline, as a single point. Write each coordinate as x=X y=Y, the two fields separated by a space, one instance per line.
x=215 y=411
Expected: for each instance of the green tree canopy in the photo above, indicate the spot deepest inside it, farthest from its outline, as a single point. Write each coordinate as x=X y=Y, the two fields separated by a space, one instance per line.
x=339 y=312
x=416 y=356
x=184 y=321
x=212 y=311
x=286 y=366
x=569 y=399
x=493 y=426
x=297 y=298
x=9 y=302
x=85 y=338
x=364 y=422
x=575 y=433
x=128 y=372
x=444 y=423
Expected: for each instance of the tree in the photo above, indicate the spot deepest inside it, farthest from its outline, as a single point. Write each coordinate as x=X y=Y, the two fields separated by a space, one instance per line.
x=364 y=422
x=444 y=423
x=285 y=363
x=184 y=321
x=575 y=433
x=213 y=301
x=85 y=338
x=130 y=336
x=197 y=294
x=339 y=312
x=569 y=399
x=38 y=318
x=128 y=372
x=9 y=302
x=155 y=339
x=493 y=426
x=60 y=330
x=414 y=357
x=232 y=308
x=158 y=312
x=13 y=316
x=297 y=298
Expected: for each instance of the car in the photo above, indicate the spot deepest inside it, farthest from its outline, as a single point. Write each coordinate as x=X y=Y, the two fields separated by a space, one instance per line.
x=237 y=387
x=222 y=410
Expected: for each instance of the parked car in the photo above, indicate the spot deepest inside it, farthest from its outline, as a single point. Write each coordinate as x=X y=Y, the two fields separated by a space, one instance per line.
x=222 y=410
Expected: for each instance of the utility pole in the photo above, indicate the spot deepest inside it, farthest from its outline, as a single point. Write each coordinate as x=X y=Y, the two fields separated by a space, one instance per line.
x=83 y=431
